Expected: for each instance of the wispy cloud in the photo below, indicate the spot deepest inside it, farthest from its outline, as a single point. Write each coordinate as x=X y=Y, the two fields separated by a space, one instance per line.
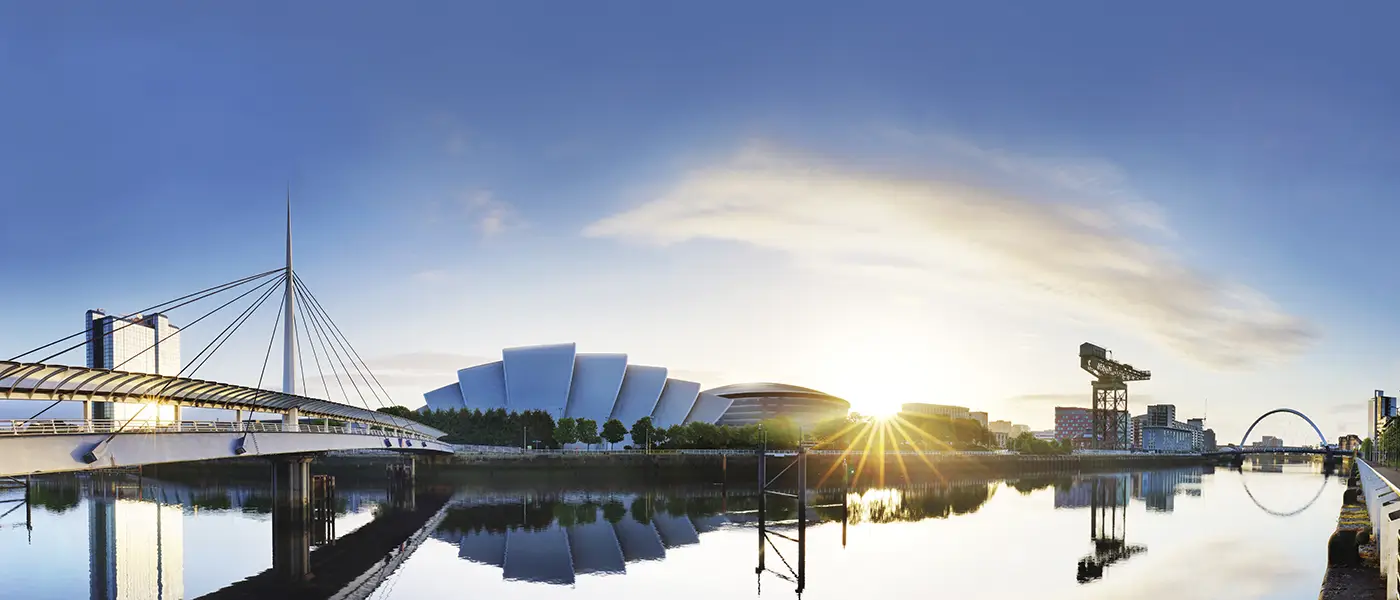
x=490 y=215
x=1079 y=254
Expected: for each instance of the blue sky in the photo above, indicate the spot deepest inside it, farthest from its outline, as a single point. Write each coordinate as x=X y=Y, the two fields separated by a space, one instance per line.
x=891 y=202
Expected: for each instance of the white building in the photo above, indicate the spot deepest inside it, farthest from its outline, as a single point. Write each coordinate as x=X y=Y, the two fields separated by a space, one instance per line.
x=980 y=417
x=139 y=344
x=1173 y=440
x=940 y=410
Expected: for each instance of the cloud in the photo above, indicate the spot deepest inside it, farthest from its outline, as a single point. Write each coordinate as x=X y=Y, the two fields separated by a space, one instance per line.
x=953 y=236
x=490 y=215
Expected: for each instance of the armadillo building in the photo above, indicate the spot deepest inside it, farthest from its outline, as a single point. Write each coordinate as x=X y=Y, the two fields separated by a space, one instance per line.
x=563 y=382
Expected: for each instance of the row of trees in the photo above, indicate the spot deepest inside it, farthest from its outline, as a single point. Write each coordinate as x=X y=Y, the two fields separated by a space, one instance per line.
x=1028 y=444
x=539 y=429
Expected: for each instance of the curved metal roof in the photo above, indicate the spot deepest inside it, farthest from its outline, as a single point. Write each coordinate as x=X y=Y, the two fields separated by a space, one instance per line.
x=34 y=381
x=760 y=388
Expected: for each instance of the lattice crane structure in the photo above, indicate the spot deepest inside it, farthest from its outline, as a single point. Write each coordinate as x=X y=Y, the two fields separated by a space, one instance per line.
x=1110 y=406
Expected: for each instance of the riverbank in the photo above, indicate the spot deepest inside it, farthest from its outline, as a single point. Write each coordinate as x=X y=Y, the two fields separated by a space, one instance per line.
x=823 y=469
x=1352 y=570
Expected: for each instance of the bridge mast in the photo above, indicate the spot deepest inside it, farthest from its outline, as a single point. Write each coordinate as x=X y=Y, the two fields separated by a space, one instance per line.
x=289 y=331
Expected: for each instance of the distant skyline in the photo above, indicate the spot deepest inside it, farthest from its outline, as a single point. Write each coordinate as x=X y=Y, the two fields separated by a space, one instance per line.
x=902 y=203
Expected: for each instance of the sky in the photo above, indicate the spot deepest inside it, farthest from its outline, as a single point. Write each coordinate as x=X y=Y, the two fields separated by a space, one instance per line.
x=889 y=202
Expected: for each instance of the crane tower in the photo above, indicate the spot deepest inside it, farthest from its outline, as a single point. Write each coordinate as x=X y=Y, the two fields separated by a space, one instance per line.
x=1110 y=407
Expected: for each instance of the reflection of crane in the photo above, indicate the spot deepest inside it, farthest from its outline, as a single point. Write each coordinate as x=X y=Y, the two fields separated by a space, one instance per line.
x=1108 y=524
x=1110 y=408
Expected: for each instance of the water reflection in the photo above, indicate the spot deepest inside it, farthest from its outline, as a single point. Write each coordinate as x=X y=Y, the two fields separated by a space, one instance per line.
x=154 y=539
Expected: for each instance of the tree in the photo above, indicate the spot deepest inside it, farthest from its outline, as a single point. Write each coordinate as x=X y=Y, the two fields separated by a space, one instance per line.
x=565 y=431
x=587 y=431
x=1366 y=448
x=400 y=411
x=643 y=432
x=614 y=431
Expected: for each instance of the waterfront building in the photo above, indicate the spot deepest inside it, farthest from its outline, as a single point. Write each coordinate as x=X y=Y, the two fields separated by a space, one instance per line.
x=1048 y=435
x=136 y=344
x=1172 y=440
x=1349 y=443
x=752 y=403
x=1161 y=415
x=1379 y=411
x=565 y=383
x=1198 y=433
x=1135 y=434
x=1269 y=441
x=980 y=417
x=1017 y=430
x=1209 y=444
x=1073 y=424
x=942 y=410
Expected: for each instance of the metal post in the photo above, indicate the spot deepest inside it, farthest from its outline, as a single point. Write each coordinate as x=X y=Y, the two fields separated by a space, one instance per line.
x=801 y=517
x=762 y=507
x=845 y=498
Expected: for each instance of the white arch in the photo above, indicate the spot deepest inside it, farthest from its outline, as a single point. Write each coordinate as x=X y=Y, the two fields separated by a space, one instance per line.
x=1287 y=410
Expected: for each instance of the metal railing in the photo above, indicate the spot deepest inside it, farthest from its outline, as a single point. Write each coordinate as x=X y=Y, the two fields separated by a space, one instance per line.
x=80 y=426
x=1381 y=500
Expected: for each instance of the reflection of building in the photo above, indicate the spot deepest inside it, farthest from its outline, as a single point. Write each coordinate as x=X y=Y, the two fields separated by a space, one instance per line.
x=140 y=344
x=1074 y=424
x=135 y=550
x=754 y=402
x=1080 y=493
x=564 y=383
x=1158 y=489
x=937 y=410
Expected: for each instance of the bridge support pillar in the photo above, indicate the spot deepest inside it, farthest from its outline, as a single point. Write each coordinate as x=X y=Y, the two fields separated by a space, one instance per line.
x=87 y=415
x=291 y=517
x=291 y=419
x=177 y=418
x=238 y=418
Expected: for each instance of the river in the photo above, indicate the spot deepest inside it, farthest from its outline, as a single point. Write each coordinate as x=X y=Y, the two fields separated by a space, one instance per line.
x=1165 y=534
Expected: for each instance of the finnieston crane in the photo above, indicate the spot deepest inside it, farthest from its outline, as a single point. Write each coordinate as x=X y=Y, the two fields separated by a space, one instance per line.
x=1110 y=406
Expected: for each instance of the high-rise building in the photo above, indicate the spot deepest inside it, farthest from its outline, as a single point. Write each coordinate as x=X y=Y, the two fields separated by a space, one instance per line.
x=138 y=344
x=1074 y=424
x=1379 y=412
x=1198 y=433
x=1269 y=441
x=1161 y=415
x=1209 y=444
x=1166 y=439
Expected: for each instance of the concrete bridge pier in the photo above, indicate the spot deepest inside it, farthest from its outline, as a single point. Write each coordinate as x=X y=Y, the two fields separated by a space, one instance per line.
x=291 y=517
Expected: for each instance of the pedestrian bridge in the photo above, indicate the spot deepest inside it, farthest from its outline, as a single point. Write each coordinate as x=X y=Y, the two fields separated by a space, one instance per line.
x=35 y=446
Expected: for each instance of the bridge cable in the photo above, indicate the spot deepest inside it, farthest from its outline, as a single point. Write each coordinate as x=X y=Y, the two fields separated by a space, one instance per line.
x=344 y=345
x=229 y=330
x=205 y=293
x=387 y=398
x=325 y=385
x=187 y=326
x=312 y=334
x=272 y=338
x=321 y=330
x=321 y=325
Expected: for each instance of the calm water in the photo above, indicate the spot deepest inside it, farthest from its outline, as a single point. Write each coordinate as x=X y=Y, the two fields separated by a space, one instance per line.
x=1175 y=534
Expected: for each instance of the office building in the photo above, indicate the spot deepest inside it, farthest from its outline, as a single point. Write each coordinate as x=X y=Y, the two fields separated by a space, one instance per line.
x=1074 y=424
x=1198 y=433
x=137 y=344
x=1209 y=443
x=1269 y=441
x=1171 y=440
x=1048 y=435
x=1017 y=430
x=937 y=410
x=1161 y=415
x=1379 y=411
x=980 y=417
x=1349 y=443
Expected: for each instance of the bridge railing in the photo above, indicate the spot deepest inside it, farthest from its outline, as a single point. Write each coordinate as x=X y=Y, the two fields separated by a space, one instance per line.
x=80 y=426
x=1381 y=494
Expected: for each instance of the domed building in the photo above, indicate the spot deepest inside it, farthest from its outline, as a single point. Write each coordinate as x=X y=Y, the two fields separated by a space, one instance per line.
x=751 y=403
x=563 y=382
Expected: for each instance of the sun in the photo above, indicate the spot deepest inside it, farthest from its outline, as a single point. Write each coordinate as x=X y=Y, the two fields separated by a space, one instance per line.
x=880 y=412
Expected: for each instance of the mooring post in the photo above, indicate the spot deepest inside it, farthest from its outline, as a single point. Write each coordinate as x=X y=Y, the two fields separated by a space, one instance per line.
x=762 y=508
x=801 y=518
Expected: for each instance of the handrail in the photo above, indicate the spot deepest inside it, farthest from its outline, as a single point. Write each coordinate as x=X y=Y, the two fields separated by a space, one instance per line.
x=81 y=426
x=1380 y=494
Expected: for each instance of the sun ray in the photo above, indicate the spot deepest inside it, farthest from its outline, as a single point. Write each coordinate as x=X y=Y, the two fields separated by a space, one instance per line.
x=898 y=454
x=845 y=453
x=919 y=452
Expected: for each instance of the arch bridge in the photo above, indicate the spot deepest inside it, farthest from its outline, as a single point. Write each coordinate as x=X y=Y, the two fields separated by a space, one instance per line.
x=1323 y=446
